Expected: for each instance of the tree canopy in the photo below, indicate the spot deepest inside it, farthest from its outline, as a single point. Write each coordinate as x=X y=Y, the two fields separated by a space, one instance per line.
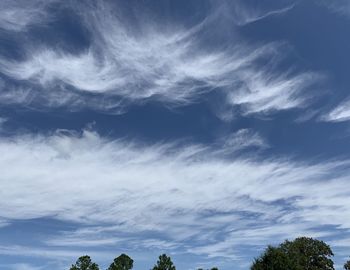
x=122 y=262
x=347 y=265
x=84 y=263
x=164 y=263
x=301 y=254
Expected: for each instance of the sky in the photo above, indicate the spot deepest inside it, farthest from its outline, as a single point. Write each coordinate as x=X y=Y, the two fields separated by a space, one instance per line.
x=205 y=130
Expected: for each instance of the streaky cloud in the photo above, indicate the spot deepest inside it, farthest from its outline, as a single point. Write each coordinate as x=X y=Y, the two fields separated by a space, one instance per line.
x=243 y=14
x=171 y=64
x=263 y=91
x=22 y=266
x=186 y=194
x=243 y=139
x=340 y=7
x=340 y=113
x=19 y=15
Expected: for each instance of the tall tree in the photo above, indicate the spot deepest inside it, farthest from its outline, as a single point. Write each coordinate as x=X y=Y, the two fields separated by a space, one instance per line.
x=84 y=263
x=347 y=265
x=301 y=254
x=164 y=263
x=122 y=262
x=273 y=258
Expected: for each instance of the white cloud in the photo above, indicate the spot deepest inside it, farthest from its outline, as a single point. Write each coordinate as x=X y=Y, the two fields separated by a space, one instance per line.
x=23 y=266
x=192 y=197
x=44 y=252
x=275 y=233
x=165 y=62
x=2 y=121
x=56 y=259
x=341 y=7
x=338 y=114
x=242 y=139
x=243 y=13
x=18 y=15
x=263 y=92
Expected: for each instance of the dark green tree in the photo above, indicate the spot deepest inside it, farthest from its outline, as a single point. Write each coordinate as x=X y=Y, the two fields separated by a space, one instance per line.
x=347 y=265
x=272 y=259
x=122 y=262
x=164 y=263
x=301 y=254
x=309 y=254
x=84 y=263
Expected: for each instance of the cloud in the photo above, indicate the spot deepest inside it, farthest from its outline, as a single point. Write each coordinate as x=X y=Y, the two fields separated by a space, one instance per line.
x=56 y=259
x=257 y=235
x=166 y=62
x=243 y=139
x=19 y=15
x=262 y=92
x=23 y=266
x=341 y=7
x=2 y=121
x=45 y=252
x=189 y=197
x=243 y=12
x=339 y=114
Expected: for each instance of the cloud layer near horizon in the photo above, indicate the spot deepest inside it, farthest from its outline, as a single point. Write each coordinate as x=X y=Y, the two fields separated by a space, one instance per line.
x=179 y=193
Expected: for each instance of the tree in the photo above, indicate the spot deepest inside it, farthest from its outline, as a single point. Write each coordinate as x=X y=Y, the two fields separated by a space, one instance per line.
x=347 y=265
x=123 y=262
x=272 y=258
x=301 y=254
x=309 y=254
x=84 y=263
x=164 y=263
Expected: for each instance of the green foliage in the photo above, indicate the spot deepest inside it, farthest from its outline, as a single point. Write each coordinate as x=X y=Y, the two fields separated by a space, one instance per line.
x=84 y=263
x=164 y=263
x=309 y=254
x=123 y=262
x=347 y=265
x=301 y=254
x=272 y=259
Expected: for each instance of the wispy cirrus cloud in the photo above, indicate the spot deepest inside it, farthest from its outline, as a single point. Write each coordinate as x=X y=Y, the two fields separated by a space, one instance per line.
x=57 y=258
x=19 y=15
x=339 y=114
x=264 y=92
x=190 y=197
x=341 y=7
x=246 y=12
x=243 y=139
x=171 y=64
x=2 y=121
x=102 y=194
x=30 y=251
x=22 y=266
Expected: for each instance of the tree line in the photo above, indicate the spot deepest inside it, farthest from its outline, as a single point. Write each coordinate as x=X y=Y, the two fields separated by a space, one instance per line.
x=302 y=253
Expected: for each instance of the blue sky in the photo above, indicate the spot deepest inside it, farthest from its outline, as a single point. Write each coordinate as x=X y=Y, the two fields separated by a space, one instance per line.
x=201 y=129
